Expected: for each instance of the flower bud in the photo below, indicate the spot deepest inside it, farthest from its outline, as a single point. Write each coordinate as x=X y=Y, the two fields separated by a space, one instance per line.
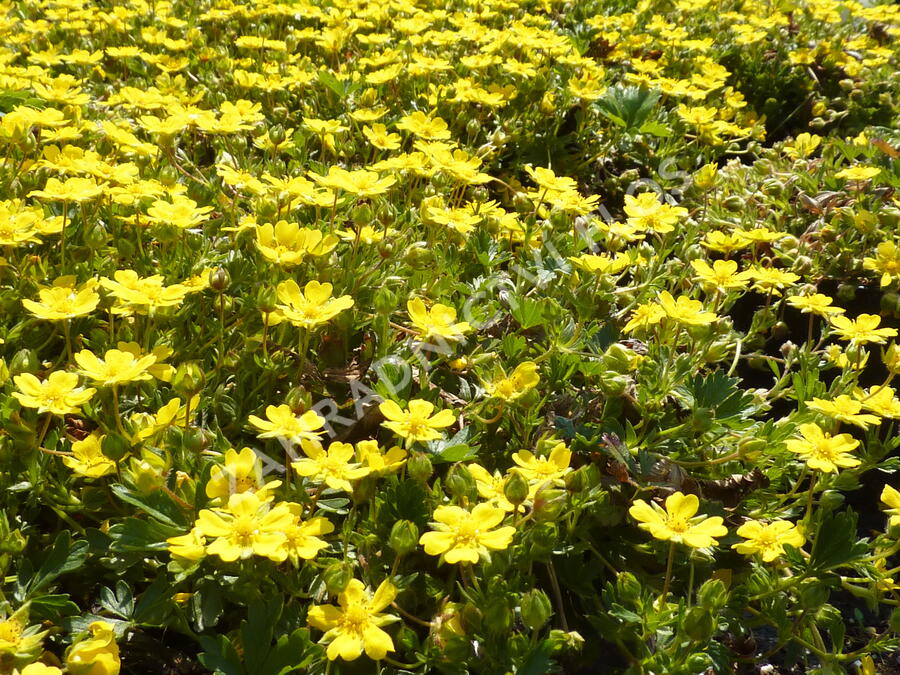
x=460 y=483
x=266 y=299
x=699 y=624
x=24 y=361
x=419 y=467
x=385 y=300
x=298 y=399
x=219 y=279
x=188 y=379
x=535 y=608
x=515 y=489
x=628 y=587
x=404 y=537
x=337 y=577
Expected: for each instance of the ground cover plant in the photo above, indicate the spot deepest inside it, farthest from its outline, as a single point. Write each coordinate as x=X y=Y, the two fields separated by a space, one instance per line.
x=449 y=337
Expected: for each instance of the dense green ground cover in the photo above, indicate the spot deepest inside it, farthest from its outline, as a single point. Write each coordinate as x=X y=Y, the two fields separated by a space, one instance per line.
x=460 y=337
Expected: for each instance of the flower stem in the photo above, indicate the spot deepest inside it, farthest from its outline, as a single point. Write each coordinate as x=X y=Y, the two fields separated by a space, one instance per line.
x=669 y=563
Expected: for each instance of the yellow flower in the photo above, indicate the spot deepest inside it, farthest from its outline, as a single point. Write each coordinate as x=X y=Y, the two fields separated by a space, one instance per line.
x=644 y=316
x=490 y=486
x=858 y=172
x=721 y=275
x=886 y=261
x=158 y=369
x=725 y=242
x=311 y=307
x=281 y=422
x=247 y=527
x=242 y=472
x=803 y=146
x=549 y=181
x=361 y=183
x=380 y=138
x=354 y=626
x=59 y=394
x=862 y=329
x=288 y=244
x=844 y=409
x=333 y=467
x=891 y=498
x=522 y=380
x=88 y=459
x=72 y=190
x=817 y=303
x=771 y=279
x=678 y=522
x=541 y=470
x=182 y=212
x=303 y=541
x=416 y=423
x=188 y=548
x=115 y=367
x=96 y=655
x=425 y=127
x=685 y=311
x=768 y=539
x=467 y=536
x=143 y=293
x=380 y=463
x=40 y=669
x=601 y=264
x=439 y=321
x=59 y=302
x=822 y=451
x=646 y=212
x=880 y=400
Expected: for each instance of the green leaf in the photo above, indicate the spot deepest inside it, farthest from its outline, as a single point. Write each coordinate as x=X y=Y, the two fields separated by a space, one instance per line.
x=220 y=656
x=65 y=556
x=527 y=312
x=836 y=542
x=120 y=602
x=52 y=607
x=138 y=534
x=258 y=628
x=207 y=604
x=154 y=603
x=292 y=653
x=156 y=505
x=657 y=129
x=456 y=453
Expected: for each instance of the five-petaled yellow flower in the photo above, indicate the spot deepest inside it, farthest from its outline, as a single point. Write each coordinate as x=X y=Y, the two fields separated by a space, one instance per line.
x=678 y=522
x=247 y=527
x=467 y=536
x=439 y=321
x=862 y=329
x=844 y=409
x=685 y=311
x=354 y=626
x=281 y=422
x=416 y=423
x=890 y=497
x=522 y=380
x=822 y=451
x=59 y=394
x=539 y=471
x=335 y=467
x=115 y=367
x=310 y=307
x=768 y=539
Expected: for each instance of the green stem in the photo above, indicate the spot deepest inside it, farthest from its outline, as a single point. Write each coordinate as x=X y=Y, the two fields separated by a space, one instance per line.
x=668 y=579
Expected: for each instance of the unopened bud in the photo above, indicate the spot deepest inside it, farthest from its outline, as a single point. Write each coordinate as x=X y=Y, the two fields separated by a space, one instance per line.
x=404 y=537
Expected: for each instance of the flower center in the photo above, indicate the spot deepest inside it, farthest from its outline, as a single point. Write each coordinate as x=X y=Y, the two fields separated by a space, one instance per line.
x=355 y=619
